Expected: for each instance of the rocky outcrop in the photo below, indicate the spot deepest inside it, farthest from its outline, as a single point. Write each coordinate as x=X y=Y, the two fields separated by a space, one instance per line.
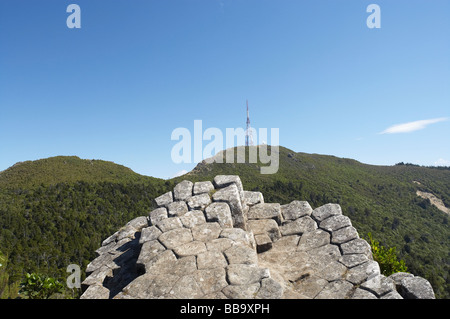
x=216 y=240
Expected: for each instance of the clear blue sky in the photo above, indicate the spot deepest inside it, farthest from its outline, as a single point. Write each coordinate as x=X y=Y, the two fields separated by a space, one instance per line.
x=136 y=70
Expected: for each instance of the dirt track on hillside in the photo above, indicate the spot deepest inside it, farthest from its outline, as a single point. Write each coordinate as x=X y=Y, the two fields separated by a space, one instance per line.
x=435 y=201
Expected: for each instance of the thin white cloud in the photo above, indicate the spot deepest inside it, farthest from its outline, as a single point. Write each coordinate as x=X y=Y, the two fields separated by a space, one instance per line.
x=442 y=162
x=412 y=126
x=182 y=172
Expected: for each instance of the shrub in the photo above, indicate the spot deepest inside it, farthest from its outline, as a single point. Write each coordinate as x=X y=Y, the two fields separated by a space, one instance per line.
x=37 y=286
x=386 y=258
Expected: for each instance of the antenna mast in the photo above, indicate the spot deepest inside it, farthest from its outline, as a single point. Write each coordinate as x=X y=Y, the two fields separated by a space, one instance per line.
x=248 y=131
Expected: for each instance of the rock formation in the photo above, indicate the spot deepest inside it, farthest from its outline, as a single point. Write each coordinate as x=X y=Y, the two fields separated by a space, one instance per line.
x=216 y=240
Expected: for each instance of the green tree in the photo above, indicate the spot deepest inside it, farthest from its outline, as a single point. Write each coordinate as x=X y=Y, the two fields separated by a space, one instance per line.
x=386 y=258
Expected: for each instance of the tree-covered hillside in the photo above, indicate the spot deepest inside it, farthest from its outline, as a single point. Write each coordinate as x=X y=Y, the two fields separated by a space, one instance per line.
x=65 y=169
x=56 y=211
x=378 y=199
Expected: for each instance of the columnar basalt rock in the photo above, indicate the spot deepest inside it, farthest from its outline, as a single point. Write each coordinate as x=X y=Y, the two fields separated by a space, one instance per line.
x=213 y=239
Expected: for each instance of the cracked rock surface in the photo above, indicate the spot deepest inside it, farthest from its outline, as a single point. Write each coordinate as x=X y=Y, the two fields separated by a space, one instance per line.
x=213 y=239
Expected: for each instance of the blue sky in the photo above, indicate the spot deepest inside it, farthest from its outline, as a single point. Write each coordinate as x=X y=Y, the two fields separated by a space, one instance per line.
x=116 y=88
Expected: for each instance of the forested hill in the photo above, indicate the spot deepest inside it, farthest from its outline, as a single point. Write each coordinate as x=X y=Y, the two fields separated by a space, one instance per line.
x=66 y=169
x=378 y=199
x=56 y=211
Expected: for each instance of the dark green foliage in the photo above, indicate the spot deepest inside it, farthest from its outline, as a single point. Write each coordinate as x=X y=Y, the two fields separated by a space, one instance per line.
x=7 y=289
x=45 y=227
x=36 y=286
x=51 y=227
x=64 y=169
x=386 y=257
x=56 y=212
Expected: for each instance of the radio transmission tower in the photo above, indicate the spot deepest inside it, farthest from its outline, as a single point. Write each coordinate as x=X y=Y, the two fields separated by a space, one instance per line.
x=248 y=131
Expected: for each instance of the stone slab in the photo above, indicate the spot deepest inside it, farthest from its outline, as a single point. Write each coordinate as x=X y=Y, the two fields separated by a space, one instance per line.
x=198 y=201
x=177 y=209
x=298 y=227
x=296 y=209
x=176 y=237
x=183 y=190
x=203 y=187
x=266 y=211
x=193 y=218
x=164 y=199
x=325 y=211
x=219 y=212
x=230 y=195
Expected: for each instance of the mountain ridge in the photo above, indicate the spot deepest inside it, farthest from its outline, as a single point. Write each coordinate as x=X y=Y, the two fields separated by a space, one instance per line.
x=39 y=200
x=56 y=169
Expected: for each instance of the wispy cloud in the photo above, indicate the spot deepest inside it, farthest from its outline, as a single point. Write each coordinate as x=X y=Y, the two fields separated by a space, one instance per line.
x=442 y=162
x=411 y=126
x=182 y=172
x=222 y=5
